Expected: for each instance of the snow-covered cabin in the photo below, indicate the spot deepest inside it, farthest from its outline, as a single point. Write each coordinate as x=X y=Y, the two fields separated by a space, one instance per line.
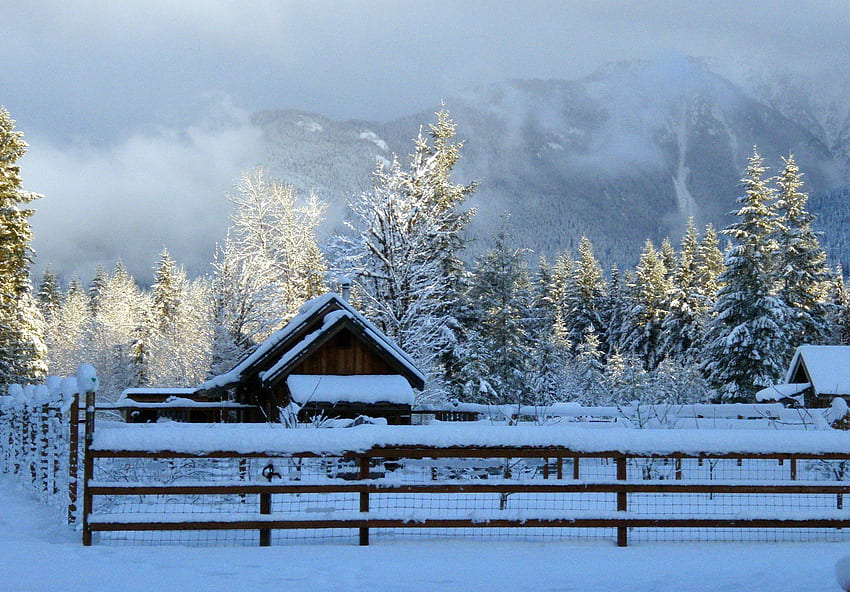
x=817 y=374
x=328 y=360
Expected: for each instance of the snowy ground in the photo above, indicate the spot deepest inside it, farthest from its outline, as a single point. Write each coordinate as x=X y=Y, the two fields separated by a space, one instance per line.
x=36 y=554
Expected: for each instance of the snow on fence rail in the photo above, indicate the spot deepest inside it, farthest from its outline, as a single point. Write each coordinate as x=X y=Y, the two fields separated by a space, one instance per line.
x=386 y=482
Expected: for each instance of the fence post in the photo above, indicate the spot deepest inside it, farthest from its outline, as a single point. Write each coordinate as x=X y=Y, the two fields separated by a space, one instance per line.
x=55 y=450
x=622 y=504
x=32 y=442
x=793 y=465
x=575 y=467
x=560 y=467
x=88 y=468
x=265 y=508
x=44 y=463
x=678 y=464
x=362 y=474
x=15 y=438
x=73 y=456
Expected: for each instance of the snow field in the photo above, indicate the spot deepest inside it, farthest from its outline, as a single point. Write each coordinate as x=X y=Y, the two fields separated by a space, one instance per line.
x=36 y=555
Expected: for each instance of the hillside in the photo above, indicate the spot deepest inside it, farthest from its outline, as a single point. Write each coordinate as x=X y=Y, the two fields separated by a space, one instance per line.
x=626 y=153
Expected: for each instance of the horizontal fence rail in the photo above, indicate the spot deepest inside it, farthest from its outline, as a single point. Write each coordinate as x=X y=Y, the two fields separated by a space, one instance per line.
x=390 y=491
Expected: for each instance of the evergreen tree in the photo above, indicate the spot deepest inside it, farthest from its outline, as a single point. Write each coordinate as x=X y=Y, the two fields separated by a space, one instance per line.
x=548 y=365
x=627 y=380
x=616 y=312
x=668 y=256
x=562 y=273
x=585 y=295
x=22 y=349
x=165 y=292
x=98 y=283
x=501 y=297
x=687 y=301
x=801 y=273
x=180 y=332
x=746 y=340
x=642 y=335
x=586 y=377
x=839 y=311
x=405 y=258
x=49 y=293
x=710 y=263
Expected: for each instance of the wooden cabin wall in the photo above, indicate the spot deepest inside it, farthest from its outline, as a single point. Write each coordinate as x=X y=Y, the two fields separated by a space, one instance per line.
x=343 y=354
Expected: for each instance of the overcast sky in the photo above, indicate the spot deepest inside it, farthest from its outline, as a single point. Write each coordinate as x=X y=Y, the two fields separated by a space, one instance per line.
x=136 y=111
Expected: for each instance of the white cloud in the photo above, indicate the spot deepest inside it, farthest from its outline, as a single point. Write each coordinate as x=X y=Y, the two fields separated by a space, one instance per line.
x=164 y=188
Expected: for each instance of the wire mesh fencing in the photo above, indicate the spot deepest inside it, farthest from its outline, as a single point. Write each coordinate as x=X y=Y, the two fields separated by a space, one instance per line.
x=484 y=494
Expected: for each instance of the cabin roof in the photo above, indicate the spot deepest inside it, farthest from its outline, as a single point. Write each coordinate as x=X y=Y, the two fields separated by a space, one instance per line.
x=827 y=368
x=316 y=319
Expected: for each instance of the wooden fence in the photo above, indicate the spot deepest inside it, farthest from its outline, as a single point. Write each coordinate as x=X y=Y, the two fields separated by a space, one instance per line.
x=619 y=484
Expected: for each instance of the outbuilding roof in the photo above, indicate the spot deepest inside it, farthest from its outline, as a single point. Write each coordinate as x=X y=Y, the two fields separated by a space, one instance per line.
x=827 y=368
x=323 y=314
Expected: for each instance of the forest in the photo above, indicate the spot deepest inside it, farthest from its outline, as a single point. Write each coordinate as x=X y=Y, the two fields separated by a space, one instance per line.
x=715 y=317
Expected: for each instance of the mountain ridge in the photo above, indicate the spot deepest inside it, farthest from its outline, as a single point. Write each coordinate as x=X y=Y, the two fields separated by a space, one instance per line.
x=623 y=154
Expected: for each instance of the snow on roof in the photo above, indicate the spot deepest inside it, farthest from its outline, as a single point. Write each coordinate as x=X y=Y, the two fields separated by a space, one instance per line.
x=305 y=314
x=375 y=388
x=781 y=391
x=245 y=438
x=828 y=367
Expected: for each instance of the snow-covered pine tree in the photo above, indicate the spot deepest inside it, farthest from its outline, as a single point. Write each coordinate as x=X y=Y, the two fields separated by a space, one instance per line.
x=710 y=263
x=746 y=339
x=642 y=333
x=687 y=302
x=500 y=295
x=615 y=312
x=586 y=371
x=165 y=292
x=96 y=287
x=22 y=349
x=839 y=311
x=49 y=293
x=405 y=256
x=180 y=330
x=801 y=271
x=584 y=298
x=562 y=273
x=668 y=256
x=546 y=375
x=627 y=380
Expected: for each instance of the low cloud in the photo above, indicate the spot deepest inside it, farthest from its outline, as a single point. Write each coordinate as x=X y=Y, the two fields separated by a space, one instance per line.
x=165 y=188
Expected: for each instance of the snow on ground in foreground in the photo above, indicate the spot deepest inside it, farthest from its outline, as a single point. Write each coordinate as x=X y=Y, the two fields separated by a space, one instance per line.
x=37 y=555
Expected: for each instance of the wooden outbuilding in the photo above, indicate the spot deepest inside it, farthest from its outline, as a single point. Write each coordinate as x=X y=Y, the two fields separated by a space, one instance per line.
x=329 y=361
x=817 y=375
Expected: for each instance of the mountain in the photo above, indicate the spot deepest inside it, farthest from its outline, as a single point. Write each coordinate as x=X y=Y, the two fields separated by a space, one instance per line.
x=625 y=154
